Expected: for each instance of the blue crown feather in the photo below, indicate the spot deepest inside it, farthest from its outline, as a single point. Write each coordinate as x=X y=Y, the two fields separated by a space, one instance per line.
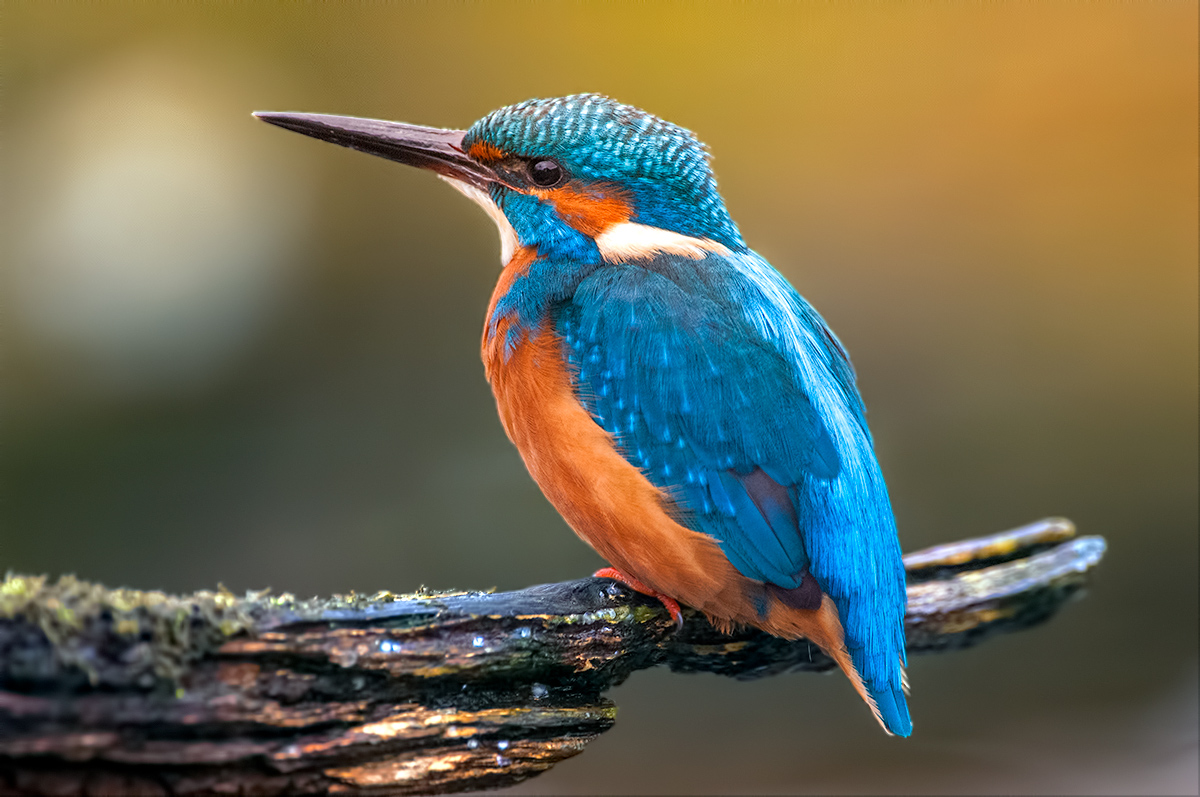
x=663 y=167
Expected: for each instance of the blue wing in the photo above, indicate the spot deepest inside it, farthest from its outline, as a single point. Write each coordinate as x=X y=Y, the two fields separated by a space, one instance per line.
x=729 y=392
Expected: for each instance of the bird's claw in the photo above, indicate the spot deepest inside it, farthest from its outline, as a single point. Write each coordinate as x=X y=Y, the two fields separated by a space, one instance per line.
x=669 y=603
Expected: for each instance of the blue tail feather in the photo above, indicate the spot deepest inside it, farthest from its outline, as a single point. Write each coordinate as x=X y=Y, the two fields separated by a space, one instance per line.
x=893 y=708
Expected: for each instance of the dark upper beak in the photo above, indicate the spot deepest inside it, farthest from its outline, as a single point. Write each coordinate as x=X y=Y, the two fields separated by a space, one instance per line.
x=427 y=147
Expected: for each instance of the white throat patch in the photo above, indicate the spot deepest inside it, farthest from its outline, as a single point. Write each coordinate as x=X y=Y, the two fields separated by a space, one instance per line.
x=628 y=241
x=508 y=236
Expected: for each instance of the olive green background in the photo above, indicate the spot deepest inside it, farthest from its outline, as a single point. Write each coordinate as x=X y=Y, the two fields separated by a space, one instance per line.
x=232 y=354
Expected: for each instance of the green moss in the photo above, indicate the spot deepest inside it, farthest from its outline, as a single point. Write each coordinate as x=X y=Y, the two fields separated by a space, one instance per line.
x=123 y=637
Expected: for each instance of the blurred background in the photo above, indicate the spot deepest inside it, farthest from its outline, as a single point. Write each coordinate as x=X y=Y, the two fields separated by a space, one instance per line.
x=233 y=354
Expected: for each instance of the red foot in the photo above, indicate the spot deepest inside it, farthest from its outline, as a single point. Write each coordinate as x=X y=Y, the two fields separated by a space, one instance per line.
x=671 y=604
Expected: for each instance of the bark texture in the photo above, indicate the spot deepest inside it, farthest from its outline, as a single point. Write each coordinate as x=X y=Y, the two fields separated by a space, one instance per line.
x=128 y=692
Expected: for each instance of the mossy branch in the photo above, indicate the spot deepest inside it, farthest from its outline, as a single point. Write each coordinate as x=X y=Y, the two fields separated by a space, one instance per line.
x=122 y=691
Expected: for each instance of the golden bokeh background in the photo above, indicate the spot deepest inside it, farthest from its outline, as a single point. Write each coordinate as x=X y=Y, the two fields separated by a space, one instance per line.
x=232 y=354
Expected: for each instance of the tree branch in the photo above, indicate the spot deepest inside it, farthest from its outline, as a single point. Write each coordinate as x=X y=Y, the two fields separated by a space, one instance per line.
x=122 y=691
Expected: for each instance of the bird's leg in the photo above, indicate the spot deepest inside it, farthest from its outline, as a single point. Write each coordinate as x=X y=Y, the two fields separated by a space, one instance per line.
x=671 y=605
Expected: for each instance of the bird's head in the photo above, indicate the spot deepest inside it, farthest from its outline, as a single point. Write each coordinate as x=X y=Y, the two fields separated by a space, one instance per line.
x=582 y=178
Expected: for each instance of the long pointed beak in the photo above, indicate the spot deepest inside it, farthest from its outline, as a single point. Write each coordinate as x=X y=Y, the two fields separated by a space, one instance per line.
x=426 y=147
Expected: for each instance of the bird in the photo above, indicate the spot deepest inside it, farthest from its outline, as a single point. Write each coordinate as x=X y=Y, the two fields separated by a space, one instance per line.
x=684 y=409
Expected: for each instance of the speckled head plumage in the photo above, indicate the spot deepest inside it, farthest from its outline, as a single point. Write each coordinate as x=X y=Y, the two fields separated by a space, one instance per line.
x=661 y=169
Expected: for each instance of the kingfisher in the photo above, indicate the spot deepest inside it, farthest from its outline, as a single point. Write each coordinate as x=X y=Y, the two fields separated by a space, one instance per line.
x=685 y=410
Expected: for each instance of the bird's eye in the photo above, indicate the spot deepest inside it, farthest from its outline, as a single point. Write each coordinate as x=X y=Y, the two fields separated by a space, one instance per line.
x=546 y=173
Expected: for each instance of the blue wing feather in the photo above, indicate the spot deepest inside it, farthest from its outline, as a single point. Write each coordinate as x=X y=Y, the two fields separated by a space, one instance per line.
x=724 y=386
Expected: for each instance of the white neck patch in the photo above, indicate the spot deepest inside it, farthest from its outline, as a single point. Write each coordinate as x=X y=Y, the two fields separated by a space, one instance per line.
x=628 y=241
x=508 y=236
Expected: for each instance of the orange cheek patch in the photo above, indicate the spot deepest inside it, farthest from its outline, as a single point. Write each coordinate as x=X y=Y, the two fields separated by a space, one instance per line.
x=590 y=211
x=486 y=152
